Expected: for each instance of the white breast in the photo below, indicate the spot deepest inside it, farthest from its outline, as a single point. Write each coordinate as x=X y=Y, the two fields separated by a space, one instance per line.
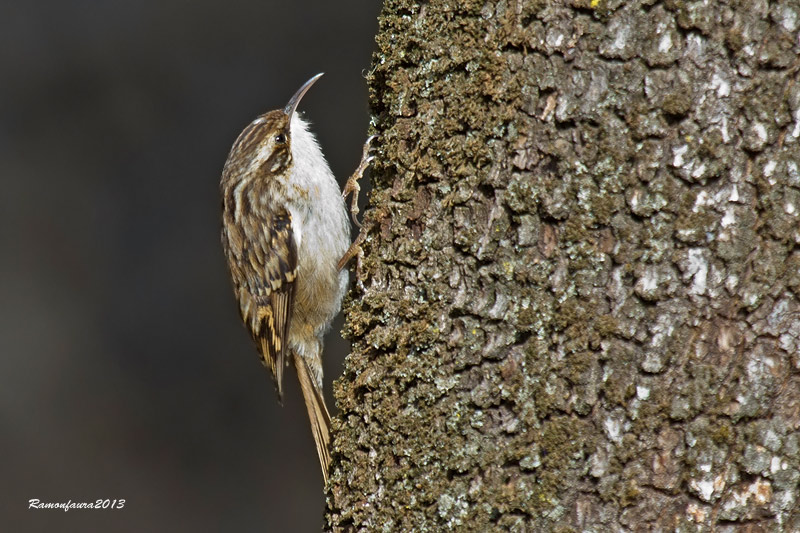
x=320 y=222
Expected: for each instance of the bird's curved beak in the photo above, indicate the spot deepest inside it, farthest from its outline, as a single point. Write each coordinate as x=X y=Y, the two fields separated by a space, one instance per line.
x=292 y=105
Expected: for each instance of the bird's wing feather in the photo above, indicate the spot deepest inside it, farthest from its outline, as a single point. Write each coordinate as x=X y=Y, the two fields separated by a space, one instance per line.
x=273 y=292
x=264 y=268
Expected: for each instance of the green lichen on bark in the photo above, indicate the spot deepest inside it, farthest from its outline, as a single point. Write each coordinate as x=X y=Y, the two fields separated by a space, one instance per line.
x=578 y=306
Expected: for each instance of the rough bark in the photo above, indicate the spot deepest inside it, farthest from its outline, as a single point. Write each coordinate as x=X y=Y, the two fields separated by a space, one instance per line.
x=579 y=307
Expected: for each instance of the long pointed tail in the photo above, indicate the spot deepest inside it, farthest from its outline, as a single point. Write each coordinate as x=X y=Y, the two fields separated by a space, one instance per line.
x=317 y=414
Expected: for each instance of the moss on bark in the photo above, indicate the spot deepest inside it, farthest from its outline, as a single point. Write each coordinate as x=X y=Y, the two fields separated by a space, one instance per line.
x=579 y=300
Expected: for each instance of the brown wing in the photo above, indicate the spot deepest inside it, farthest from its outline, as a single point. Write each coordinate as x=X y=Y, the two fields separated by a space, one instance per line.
x=263 y=260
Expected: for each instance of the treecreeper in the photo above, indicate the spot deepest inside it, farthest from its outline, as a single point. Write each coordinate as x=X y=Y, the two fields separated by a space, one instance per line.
x=286 y=238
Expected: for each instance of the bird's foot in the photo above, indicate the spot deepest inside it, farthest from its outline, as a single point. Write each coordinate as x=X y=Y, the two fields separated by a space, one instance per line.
x=352 y=186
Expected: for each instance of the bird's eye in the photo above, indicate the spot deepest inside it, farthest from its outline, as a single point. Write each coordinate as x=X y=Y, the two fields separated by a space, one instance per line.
x=280 y=138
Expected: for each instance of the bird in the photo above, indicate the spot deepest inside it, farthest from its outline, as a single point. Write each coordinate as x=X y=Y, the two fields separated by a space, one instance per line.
x=286 y=237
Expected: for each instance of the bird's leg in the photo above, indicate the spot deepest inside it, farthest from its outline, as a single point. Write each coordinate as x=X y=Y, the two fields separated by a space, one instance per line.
x=354 y=251
x=352 y=187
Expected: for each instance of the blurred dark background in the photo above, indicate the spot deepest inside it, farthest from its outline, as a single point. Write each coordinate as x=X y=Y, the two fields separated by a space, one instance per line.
x=124 y=369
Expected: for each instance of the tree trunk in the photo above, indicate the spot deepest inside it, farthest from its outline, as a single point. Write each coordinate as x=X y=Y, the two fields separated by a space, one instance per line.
x=579 y=306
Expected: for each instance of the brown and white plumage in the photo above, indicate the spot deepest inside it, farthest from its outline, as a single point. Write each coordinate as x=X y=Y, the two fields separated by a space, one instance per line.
x=284 y=229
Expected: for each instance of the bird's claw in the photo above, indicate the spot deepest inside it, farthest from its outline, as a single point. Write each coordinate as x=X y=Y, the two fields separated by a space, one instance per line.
x=352 y=186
